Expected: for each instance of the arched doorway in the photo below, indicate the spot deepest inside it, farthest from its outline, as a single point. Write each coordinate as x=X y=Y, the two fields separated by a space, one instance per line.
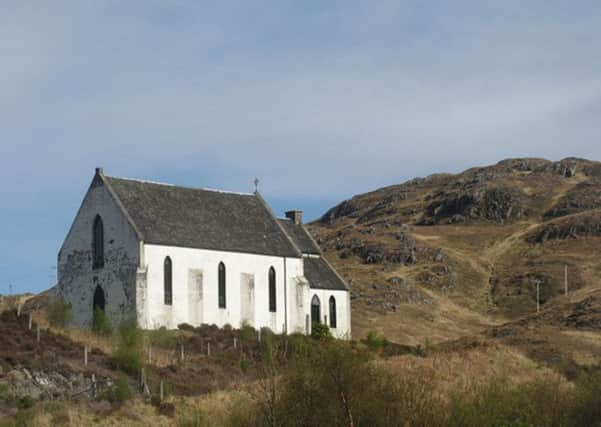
x=315 y=310
x=99 y=301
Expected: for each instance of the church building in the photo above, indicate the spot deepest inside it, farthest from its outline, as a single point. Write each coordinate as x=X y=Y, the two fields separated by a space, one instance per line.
x=169 y=255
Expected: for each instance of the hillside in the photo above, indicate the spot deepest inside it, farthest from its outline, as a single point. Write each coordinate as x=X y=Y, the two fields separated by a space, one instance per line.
x=447 y=256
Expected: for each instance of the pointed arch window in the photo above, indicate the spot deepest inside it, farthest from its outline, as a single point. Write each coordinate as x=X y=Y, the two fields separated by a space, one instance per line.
x=98 y=243
x=168 y=281
x=315 y=310
x=221 y=284
x=272 y=290
x=332 y=312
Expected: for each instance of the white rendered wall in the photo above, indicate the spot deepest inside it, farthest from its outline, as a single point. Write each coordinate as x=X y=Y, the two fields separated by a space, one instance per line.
x=343 y=313
x=77 y=280
x=204 y=263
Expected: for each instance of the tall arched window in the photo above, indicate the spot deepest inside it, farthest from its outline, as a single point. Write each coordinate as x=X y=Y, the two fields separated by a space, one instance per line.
x=98 y=242
x=272 y=299
x=332 y=312
x=168 y=281
x=221 y=286
x=315 y=310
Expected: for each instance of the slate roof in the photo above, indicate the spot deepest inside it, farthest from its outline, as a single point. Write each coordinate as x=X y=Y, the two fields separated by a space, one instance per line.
x=300 y=236
x=321 y=275
x=204 y=219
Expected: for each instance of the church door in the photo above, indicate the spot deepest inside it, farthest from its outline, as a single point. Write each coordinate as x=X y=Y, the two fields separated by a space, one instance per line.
x=247 y=299
x=315 y=310
x=99 y=301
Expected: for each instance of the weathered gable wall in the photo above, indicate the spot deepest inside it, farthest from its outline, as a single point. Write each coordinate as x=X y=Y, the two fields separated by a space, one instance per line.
x=76 y=276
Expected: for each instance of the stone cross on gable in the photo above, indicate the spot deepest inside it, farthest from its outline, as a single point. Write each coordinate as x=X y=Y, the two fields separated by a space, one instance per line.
x=256 y=181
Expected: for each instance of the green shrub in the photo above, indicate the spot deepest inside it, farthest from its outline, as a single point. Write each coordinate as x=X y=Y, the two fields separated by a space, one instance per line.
x=120 y=392
x=162 y=338
x=185 y=327
x=129 y=354
x=247 y=332
x=101 y=324
x=320 y=331
x=375 y=342
x=59 y=313
x=188 y=415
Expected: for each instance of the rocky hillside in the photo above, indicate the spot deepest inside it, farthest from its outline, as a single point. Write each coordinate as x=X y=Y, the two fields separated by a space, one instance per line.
x=445 y=256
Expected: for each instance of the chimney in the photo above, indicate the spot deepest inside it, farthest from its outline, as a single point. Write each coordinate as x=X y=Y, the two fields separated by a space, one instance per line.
x=99 y=171
x=296 y=216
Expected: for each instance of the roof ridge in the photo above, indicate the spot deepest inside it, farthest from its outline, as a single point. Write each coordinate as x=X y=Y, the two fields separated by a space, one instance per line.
x=213 y=190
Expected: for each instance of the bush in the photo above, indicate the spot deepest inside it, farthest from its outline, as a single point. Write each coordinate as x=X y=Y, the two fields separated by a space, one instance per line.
x=189 y=415
x=120 y=392
x=247 y=332
x=375 y=342
x=101 y=324
x=59 y=313
x=162 y=338
x=129 y=354
x=320 y=331
x=185 y=327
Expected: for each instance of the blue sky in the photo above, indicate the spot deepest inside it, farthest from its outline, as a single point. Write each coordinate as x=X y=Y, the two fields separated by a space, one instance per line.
x=321 y=100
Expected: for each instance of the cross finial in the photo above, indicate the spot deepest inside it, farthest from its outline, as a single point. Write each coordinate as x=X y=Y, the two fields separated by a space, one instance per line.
x=256 y=181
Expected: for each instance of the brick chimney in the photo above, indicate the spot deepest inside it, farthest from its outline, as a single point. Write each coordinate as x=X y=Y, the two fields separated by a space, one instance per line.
x=296 y=216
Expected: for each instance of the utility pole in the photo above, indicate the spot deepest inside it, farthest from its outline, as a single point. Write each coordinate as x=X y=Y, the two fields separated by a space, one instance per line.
x=566 y=279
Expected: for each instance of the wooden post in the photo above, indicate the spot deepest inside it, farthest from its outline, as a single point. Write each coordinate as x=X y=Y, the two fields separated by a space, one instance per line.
x=18 y=309
x=38 y=333
x=259 y=334
x=538 y=297
x=30 y=320
x=208 y=349
x=149 y=354
x=93 y=385
x=566 y=280
x=161 y=392
x=235 y=342
x=85 y=355
x=142 y=380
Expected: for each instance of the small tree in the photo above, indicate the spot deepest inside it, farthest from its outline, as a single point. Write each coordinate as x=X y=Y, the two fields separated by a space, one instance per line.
x=129 y=354
x=101 y=324
x=59 y=312
x=320 y=331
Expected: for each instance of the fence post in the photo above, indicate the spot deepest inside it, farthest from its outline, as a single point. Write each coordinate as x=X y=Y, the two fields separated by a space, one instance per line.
x=85 y=355
x=208 y=349
x=235 y=342
x=30 y=320
x=149 y=354
x=142 y=380
x=38 y=333
x=161 y=392
x=181 y=354
x=93 y=385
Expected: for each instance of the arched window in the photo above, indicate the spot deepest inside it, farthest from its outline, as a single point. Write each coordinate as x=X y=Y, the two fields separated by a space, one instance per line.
x=272 y=300
x=315 y=310
x=332 y=312
x=168 y=281
x=98 y=242
x=221 y=274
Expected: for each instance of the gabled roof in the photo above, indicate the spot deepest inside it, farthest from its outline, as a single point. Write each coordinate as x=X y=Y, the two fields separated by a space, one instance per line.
x=170 y=215
x=321 y=275
x=300 y=236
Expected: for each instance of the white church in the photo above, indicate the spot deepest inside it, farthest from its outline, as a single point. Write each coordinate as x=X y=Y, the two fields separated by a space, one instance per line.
x=169 y=255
